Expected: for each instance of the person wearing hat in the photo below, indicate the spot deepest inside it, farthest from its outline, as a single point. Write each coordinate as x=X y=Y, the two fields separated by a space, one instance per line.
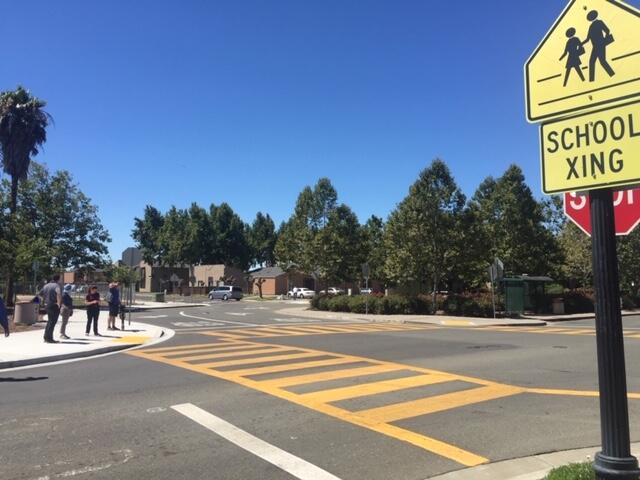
x=66 y=310
x=113 y=299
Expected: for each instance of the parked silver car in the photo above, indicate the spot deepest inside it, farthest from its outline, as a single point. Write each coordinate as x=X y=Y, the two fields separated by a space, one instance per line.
x=225 y=292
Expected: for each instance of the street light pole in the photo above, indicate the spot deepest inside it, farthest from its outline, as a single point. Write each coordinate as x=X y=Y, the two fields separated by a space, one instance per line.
x=615 y=460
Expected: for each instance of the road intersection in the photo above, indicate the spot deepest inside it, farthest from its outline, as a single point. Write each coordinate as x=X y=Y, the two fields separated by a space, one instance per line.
x=354 y=400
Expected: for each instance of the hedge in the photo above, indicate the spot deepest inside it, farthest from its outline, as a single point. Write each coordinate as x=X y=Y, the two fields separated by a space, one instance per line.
x=477 y=305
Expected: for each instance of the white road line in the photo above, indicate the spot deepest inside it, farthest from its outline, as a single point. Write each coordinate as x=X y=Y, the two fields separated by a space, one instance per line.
x=152 y=316
x=291 y=464
x=222 y=321
x=238 y=314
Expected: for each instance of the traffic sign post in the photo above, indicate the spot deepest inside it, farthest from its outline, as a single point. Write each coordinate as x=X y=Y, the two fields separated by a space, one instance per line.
x=365 y=274
x=615 y=460
x=590 y=141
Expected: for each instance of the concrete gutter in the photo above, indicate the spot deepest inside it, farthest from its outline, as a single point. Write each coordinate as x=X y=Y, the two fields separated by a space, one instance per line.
x=526 y=468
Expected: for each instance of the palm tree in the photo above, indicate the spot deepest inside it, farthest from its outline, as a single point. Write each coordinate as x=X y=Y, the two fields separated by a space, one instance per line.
x=23 y=130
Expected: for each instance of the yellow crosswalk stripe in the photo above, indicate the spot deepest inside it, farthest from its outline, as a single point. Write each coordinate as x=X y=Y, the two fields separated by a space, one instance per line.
x=187 y=347
x=331 y=375
x=365 y=389
x=291 y=366
x=234 y=353
x=423 y=406
x=229 y=347
x=577 y=331
x=239 y=333
x=250 y=361
x=304 y=330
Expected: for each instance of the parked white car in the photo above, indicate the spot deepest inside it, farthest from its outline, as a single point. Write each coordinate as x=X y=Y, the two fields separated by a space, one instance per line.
x=301 y=293
x=333 y=291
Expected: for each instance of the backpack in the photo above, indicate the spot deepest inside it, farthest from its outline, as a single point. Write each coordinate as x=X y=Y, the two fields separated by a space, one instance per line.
x=108 y=297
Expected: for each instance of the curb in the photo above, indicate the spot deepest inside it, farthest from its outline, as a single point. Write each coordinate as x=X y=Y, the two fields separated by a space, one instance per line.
x=534 y=467
x=586 y=316
x=436 y=320
x=65 y=356
x=165 y=334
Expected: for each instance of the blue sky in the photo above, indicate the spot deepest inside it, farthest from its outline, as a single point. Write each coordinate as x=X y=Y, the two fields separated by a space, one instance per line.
x=168 y=102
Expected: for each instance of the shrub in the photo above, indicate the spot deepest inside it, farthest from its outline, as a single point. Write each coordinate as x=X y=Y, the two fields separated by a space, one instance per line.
x=339 y=303
x=630 y=301
x=573 y=471
x=468 y=304
x=471 y=305
x=579 y=301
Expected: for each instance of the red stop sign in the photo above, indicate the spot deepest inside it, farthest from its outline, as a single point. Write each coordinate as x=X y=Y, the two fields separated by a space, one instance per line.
x=626 y=206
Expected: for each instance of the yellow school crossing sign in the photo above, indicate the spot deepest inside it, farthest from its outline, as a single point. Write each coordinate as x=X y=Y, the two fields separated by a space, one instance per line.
x=583 y=83
x=589 y=58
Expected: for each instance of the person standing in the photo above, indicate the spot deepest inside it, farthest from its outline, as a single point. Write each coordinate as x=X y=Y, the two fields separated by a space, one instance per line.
x=600 y=37
x=52 y=296
x=66 y=310
x=92 y=301
x=113 y=298
x=4 y=318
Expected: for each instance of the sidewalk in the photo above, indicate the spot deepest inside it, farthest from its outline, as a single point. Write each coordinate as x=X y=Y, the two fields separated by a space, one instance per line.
x=28 y=348
x=526 y=468
x=302 y=311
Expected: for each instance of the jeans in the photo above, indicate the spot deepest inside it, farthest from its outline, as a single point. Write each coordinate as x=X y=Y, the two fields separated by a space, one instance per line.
x=92 y=316
x=53 y=312
x=65 y=313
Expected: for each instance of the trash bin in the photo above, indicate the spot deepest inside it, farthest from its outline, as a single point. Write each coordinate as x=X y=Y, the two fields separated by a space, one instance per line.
x=557 y=306
x=159 y=297
x=26 y=313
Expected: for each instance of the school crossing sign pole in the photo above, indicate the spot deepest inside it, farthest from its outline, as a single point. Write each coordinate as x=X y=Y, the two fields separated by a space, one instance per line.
x=583 y=86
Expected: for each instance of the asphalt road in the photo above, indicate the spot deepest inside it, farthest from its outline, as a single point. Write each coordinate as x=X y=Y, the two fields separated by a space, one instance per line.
x=242 y=388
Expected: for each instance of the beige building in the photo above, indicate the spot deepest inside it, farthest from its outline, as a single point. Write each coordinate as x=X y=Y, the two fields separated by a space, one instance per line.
x=157 y=278
x=214 y=275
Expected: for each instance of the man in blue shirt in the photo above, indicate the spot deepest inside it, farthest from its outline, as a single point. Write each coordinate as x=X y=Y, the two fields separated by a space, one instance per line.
x=113 y=298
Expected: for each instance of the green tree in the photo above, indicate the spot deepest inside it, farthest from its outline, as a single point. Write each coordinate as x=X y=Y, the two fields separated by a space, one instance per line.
x=230 y=233
x=23 y=130
x=340 y=247
x=146 y=233
x=421 y=236
x=514 y=225
x=575 y=245
x=56 y=224
x=374 y=248
x=324 y=201
x=174 y=238
x=201 y=239
x=262 y=239
x=311 y=213
x=123 y=274
x=288 y=250
x=628 y=264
